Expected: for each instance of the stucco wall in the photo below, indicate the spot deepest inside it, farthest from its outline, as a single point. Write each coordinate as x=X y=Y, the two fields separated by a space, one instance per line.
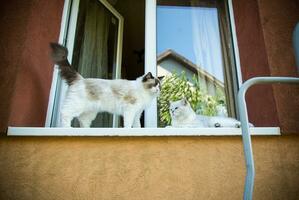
x=26 y=70
x=278 y=18
x=159 y=168
x=11 y=39
x=125 y=168
x=27 y=27
x=253 y=57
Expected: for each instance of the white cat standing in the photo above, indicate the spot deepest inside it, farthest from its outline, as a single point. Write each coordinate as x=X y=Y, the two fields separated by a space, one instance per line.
x=183 y=116
x=87 y=97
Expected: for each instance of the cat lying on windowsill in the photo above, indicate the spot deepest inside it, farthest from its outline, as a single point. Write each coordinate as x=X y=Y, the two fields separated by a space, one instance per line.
x=85 y=97
x=183 y=116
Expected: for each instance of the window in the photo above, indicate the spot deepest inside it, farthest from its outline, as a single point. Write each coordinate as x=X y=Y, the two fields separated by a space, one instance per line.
x=95 y=48
x=86 y=19
x=94 y=36
x=192 y=47
x=194 y=53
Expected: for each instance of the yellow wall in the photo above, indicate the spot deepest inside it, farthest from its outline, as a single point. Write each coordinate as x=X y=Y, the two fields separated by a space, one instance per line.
x=164 y=168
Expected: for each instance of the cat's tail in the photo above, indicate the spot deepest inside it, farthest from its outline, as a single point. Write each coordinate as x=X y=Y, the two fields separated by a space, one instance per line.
x=59 y=56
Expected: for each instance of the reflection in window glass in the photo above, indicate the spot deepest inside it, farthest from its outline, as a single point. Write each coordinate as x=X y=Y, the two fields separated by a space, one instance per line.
x=192 y=57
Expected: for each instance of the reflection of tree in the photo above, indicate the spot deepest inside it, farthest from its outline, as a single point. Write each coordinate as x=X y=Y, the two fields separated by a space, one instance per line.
x=175 y=87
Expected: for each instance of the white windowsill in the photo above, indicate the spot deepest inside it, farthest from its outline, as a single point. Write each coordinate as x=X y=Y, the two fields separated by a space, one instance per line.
x=40 y=131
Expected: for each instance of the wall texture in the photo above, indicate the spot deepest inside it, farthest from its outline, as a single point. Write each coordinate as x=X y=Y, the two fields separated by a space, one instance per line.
x=11 y=41
x=134 y=168
x=28 y=27
x=278 y=18
x=25 y=41
x=167 y=168
x=253 y=57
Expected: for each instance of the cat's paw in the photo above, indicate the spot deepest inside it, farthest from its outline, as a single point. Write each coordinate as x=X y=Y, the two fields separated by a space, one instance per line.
x=238 y=125
x=217 y=125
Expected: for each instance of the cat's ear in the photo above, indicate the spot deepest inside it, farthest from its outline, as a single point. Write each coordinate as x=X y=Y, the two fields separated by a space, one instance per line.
x=160 y=78
x=185 y=102
x=147 y=76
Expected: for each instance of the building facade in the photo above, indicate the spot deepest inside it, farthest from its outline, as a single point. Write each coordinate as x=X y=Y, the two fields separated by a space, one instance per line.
x=146 y=167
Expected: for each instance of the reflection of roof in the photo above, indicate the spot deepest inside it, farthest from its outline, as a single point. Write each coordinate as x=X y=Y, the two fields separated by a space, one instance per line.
x=169 y=53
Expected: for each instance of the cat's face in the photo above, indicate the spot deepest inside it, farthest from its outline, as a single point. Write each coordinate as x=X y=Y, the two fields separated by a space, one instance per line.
x=151 y=83
x=179 y=108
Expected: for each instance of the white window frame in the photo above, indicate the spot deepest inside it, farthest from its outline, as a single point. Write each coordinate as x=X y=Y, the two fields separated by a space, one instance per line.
x=151 y=119
x=150 y=57
x=67 y=37
x=150 y=113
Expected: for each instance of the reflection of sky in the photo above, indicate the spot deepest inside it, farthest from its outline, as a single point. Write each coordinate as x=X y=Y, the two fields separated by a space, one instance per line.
x=193 y=33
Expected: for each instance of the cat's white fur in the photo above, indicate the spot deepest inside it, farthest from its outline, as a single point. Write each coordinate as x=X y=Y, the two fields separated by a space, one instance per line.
x=87 y=97
x=121 y=97
x=183 y=116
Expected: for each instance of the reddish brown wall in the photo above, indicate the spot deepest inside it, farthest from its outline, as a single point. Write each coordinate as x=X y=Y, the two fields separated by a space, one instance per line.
x=278 y=18
x=28 y=27
x=26 y=61
x=13 y=21
x=253 y=56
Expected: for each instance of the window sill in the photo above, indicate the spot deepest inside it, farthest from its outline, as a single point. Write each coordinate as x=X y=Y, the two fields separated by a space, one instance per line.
x=40 y=131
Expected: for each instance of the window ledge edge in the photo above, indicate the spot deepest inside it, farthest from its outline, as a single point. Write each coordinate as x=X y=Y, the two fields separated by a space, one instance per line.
x=47 y=131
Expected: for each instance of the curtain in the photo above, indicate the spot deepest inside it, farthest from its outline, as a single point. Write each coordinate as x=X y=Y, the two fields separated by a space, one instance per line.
x=212 y=37
x=207 y=44
x=91 y=47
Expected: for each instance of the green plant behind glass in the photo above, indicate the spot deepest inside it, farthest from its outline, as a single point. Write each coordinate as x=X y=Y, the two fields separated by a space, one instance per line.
x=176 y=87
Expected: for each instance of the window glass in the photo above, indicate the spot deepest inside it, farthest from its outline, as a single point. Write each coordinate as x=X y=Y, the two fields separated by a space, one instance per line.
x=95 y=47
x=96 y=36
x=194 y=57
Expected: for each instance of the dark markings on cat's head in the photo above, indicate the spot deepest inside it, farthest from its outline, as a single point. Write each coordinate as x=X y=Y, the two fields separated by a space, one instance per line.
x=149 y=81
x=147 y=77
x=184 y=101
x=93 y=91
x=160 y=78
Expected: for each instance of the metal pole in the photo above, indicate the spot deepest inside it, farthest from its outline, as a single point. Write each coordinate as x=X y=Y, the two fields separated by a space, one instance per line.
x=250 y=171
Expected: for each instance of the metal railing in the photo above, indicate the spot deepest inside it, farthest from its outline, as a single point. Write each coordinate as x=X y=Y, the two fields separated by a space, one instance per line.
x=250 y=171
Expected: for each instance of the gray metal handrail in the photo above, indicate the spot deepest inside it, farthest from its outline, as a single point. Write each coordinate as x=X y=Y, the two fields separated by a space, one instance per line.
x=250 y=171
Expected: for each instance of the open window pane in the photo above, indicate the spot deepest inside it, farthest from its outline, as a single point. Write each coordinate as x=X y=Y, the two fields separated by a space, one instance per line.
x=94 y=40
x=195 y=58
x=96 y=33
x=95 y=47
